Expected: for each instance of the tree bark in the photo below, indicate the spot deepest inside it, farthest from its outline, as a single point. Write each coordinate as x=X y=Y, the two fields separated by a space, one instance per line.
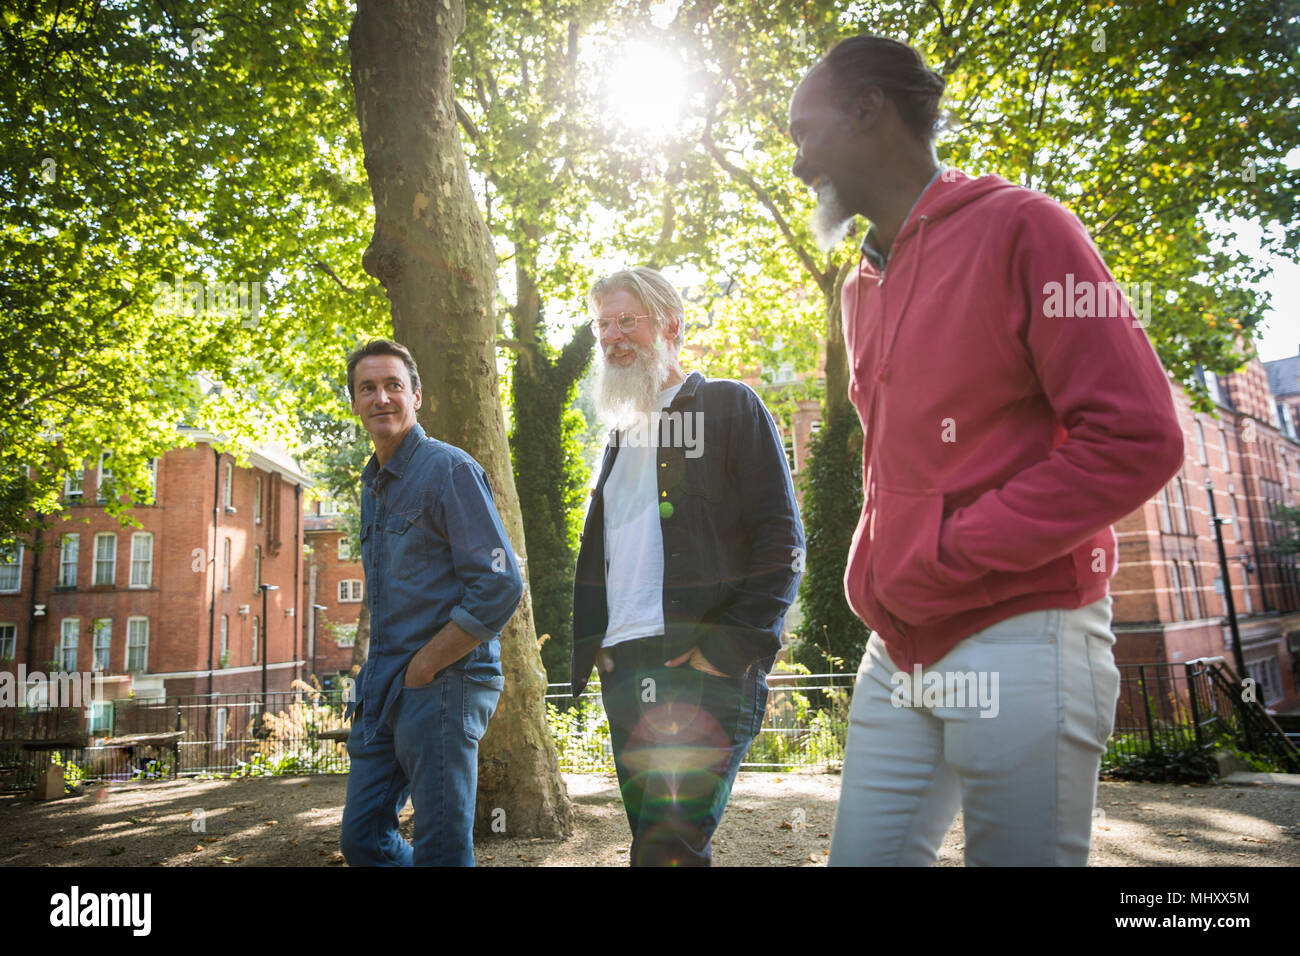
x=432 y=253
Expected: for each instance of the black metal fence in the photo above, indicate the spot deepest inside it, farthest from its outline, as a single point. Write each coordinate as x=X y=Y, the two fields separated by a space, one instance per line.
x=1192 y=706
x=1161 y=708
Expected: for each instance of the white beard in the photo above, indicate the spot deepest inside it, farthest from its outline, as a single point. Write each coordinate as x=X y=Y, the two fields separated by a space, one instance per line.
x=625 y=396
x=830 y=221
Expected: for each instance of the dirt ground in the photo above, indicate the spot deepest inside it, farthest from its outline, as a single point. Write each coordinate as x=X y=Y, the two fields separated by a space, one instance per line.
x=772 y=820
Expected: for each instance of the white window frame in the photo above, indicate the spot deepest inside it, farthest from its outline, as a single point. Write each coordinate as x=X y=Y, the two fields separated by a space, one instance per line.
x=69 y=638
x=224 y=646
x=257 y=499
x=229 y=473
x=345 y=635
x=98 y=577
x=328 y=507
x=68 y=569
x=99 y=477
x=141 y=567
x=153 y=479
x=257 y=625
x=344 y=548
x=257 y=568
x=77 y=493
x=103 y=629
x=221 y=724
x=1245 y=587
x=9 y=641
x=11 y=556
x=351 y=591
x=225 y=565
x=133 y=627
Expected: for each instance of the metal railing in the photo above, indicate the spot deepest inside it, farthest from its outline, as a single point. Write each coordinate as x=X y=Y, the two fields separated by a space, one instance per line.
x=1161 y=707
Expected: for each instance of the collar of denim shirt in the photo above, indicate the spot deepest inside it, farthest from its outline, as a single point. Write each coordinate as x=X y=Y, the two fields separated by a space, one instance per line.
x=401 y=458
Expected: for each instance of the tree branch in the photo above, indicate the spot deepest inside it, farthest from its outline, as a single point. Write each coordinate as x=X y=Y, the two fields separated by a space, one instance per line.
x=324 y=267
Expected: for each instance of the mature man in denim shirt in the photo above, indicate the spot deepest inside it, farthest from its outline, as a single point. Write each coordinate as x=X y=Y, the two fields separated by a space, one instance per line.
x=442 y=582
x=691 y=556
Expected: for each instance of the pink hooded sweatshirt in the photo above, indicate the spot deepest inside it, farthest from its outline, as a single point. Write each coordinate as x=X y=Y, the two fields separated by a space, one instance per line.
x=1012 y=408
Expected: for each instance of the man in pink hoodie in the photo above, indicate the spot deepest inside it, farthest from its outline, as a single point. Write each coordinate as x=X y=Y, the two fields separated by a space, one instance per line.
x=1012 y=408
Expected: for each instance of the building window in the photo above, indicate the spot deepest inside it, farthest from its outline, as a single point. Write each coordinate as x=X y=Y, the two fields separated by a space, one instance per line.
x=105 y=479
x=1200 y=442
x=105 y=558
x=1176 y=598
x=8 y=641
x=345 y=635
x=74 y=484
x=345 y=548
x=225 y=565
x=103 y=644
x=256 y=625
x=141 y=559
x=11 y=565
x=100 y=717
x=790 y=459
x=230 y=480
x=1194 y=590
x=1180 y=506
x=71 y=630
x=149 y=494
x=257 y=500
x=68 y=561
x=257 y=568
x=329 y=507
x=1223 y=599
x=1223 y=448
x=1245 y=587
x=1236 y=518
x=220 y=731
x=225 y=637
x=349 y=591
x=1162 y=509
x=137 y=645
x=1212 y=386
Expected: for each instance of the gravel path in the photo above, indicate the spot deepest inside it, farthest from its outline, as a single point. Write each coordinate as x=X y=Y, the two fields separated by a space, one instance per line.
x=772 y=820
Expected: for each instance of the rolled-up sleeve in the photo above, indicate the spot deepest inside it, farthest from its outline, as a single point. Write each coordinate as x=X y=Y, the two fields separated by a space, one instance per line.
x=480 y=551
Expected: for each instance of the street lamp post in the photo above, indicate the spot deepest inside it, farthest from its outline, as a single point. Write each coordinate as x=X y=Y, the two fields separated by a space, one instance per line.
x=1218 y=524
x=266 y=635
x=315 y=632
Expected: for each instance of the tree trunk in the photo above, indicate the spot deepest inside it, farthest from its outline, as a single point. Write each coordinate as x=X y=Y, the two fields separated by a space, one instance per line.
x=361 y=649
x=837 y=360
x=432 y=254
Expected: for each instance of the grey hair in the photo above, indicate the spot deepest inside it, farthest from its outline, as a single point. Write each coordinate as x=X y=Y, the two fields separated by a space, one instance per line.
x=657 y=296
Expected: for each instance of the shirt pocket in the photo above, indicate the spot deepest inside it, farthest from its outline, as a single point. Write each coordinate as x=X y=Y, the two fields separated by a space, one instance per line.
x=406 y=545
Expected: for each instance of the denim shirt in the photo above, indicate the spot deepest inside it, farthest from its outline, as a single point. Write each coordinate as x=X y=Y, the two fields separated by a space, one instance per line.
x=434 y=550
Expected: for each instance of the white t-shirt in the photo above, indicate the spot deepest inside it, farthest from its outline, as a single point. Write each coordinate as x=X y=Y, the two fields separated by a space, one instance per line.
x=634 y=541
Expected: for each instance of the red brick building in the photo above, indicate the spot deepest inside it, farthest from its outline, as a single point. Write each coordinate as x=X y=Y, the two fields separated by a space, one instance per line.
x=174 y=607
x=335 y=591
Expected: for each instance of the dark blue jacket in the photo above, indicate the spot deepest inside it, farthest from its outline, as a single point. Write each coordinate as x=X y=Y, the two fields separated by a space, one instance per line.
x=733 y=541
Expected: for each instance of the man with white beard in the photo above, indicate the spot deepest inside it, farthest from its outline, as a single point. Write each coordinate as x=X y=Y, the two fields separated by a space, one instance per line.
x=691 y=555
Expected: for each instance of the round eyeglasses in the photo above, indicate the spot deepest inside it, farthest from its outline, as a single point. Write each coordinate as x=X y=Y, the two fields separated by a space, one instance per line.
x=626 y=323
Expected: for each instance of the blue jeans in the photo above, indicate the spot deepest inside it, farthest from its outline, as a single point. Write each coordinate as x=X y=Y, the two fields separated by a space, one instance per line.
x=426 y=749
x=678 y=736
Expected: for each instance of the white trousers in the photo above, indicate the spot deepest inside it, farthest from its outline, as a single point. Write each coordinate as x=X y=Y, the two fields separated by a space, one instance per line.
x=1009 y=726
